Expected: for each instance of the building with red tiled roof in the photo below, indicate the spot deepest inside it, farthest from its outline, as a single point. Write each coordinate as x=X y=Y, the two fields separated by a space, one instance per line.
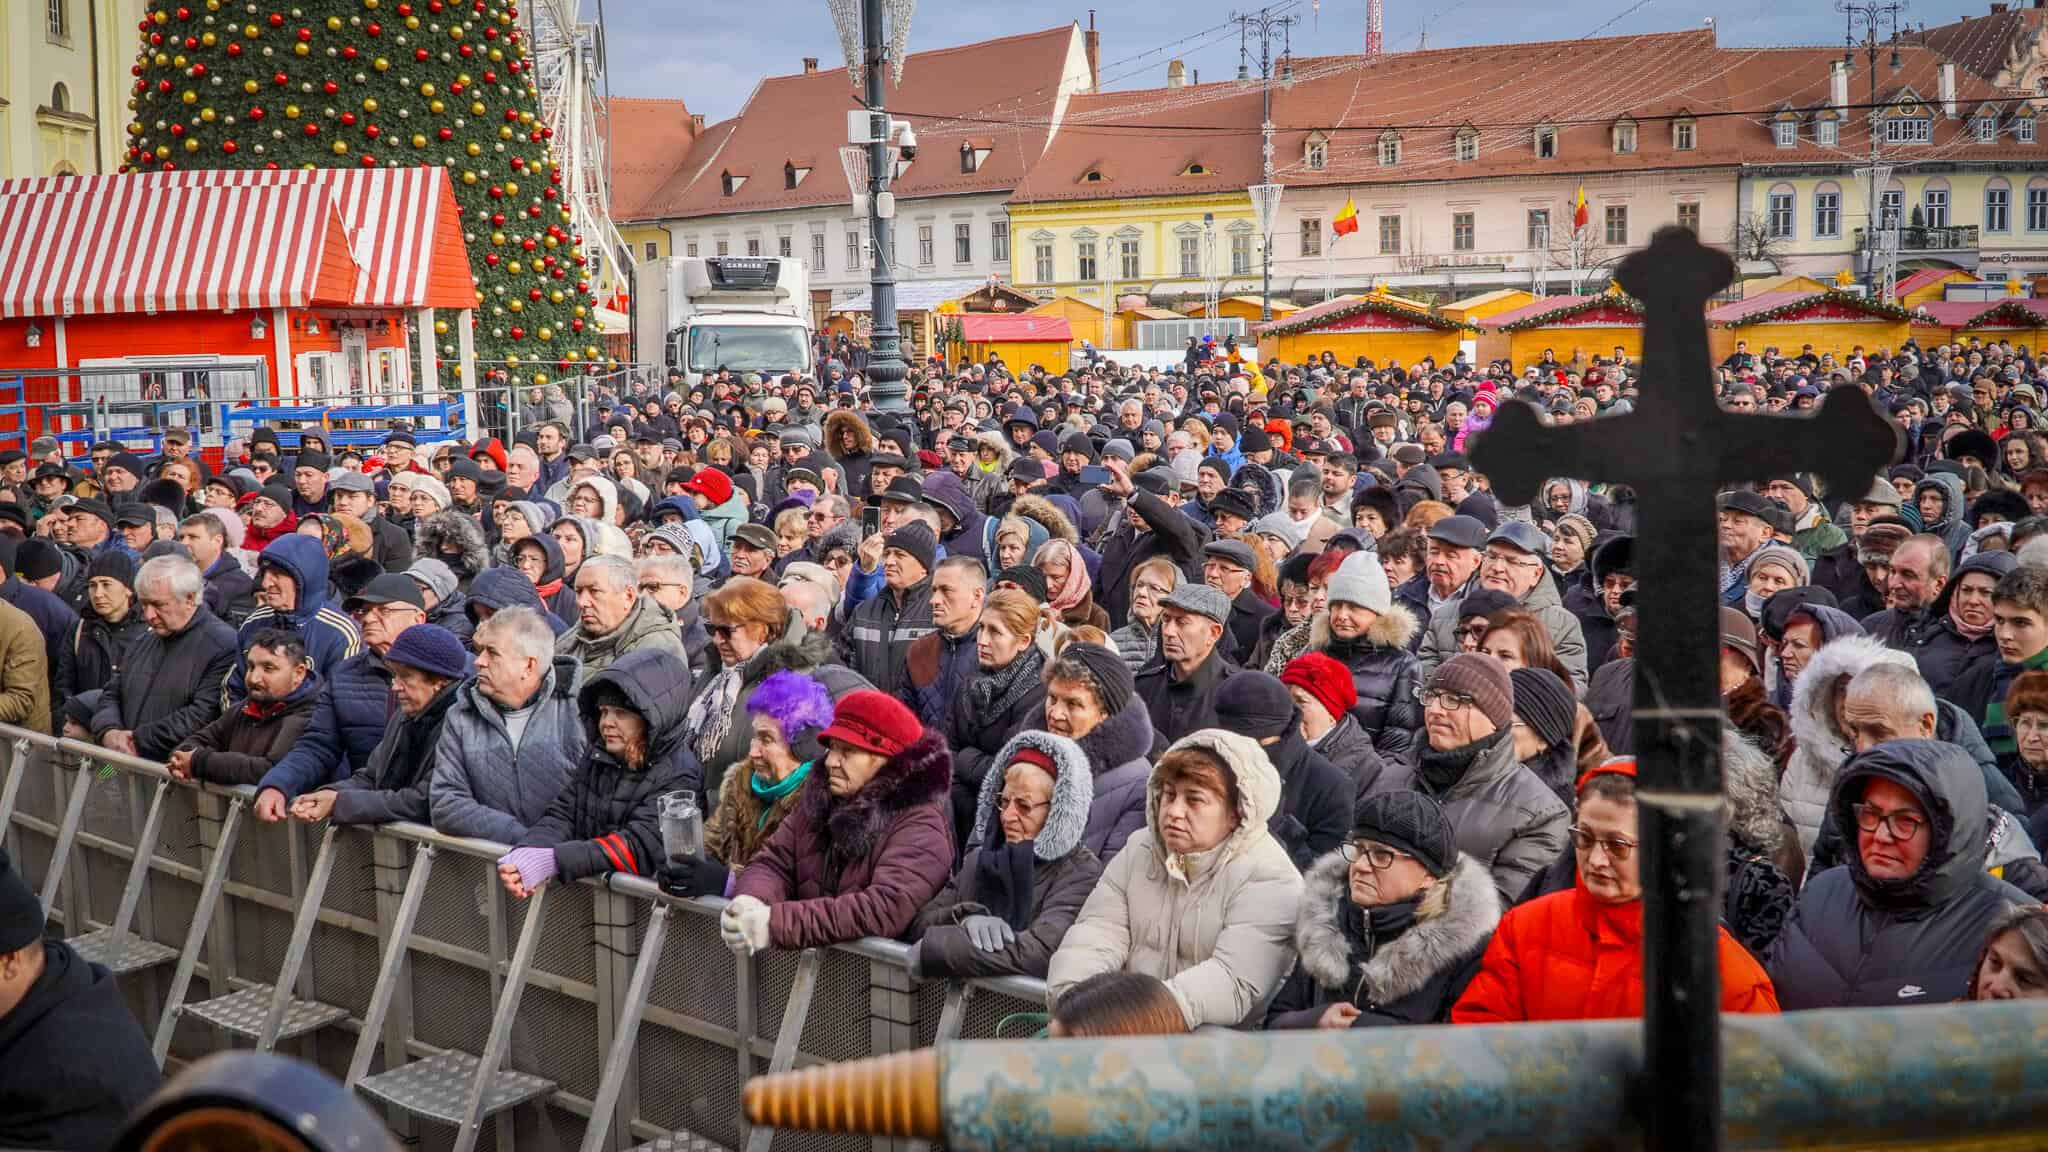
x=770 y=181
x=2004 y=46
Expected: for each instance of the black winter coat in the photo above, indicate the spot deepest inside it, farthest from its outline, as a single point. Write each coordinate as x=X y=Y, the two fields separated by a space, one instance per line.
x=1314 y=816
x=1944 y=655
x=90 y=656
x=1350 y=749
x=393 y=784
x=1387 y=677
x=170 y=686
x=1840 y=571
x=877 y=639
x=355 y=710
x=1172 y=535
x=1248 y=617
x=73 y=1061
x=1179 y=707
x=230 y=592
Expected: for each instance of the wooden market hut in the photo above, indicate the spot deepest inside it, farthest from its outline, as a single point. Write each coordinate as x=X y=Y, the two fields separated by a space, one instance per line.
x=2018 y=319
x=1018 y=340
x=1928 y=285
x=1085 y=319
x=1571 y=327
x=1377 y=327
x=1245 y=308
x=1474 y=309
x=1830 y=320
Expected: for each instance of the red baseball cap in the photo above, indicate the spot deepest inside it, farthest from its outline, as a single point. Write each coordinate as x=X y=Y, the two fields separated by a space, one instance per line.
x=711 y=484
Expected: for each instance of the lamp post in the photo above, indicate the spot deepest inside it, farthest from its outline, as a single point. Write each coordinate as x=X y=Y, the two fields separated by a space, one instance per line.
x=867 y=52
x=1875 y=16
x=1265 y=195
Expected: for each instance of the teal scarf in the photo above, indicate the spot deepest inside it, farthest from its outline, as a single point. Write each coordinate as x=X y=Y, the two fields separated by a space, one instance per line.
x=769 y=794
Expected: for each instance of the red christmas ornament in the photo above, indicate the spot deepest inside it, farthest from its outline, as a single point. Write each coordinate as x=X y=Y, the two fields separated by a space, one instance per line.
x=280 y=79
x=582 y=285
x=163 y=86
x=312 y=129
x=575 y=325
x=169 y=167
x=348 y=52
x=465 y=51
x=184 y=13
x=369 y=161
x=156 y=39
x=547 y=133
x=405 y=9
x=534 y=136
x=177 y=129
x=422 y=55
x=555 y=177
x=556 y=273
x=549 y=193
x=490 y=77
x=277 y=19
x=497 y=192
x=373 y=28
x=372 y=131
x=348 y=119
x=198 y=71
x=433 y=5
x=497 y=219
x=490 y=33
x=533 y=209
x=136 y=70
x=511 y=115
x=528 y=244
x=491 y=258
x=330 y=87
x=518 y=163
x=518 y=333
x=270 y=167
x=446 y=134
x=534 y=295
x=228 y=146
x=191 y=43
x=305 y=35
x=257 y=113
x=235 y=48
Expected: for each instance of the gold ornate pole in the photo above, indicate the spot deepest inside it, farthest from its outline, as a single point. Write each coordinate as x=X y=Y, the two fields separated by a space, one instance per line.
x=887 y=1096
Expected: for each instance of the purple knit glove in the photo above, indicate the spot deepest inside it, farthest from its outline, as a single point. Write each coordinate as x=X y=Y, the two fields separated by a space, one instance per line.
x=536 y=865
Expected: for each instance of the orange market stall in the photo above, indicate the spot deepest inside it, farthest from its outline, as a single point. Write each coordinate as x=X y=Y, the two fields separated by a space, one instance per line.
x=1829 y=321
x=1019 y=341
x=1379 y=328
x=2017 y=320
x=1571 y=328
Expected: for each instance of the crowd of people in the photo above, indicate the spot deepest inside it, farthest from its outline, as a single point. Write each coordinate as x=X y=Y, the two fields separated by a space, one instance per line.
x=1228 y=695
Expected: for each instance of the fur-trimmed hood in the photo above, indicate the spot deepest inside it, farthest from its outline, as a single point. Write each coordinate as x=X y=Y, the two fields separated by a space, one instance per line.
x=1749 y=779
x=1394 y=628
x=453 y=531
x=853 y=825
x=840 y=420
x=1454 y=918
x=1073 y=790
x=1812 y=728
x=1048 y=515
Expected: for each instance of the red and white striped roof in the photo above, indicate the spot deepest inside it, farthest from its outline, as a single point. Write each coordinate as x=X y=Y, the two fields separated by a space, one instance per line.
x=223 y=240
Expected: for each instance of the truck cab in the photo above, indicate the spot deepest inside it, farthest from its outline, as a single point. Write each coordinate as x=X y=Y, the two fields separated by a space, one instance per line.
x=698 y=314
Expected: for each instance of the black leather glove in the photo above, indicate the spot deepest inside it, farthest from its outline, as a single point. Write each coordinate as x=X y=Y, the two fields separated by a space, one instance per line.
x=692 y=876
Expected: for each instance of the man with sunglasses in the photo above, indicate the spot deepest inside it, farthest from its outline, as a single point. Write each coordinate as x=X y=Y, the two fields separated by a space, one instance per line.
x=1902 y=922
x=1512 y=563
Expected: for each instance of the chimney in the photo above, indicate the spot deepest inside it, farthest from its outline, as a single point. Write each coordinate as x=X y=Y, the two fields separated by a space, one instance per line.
x=1091 y=43
x=697 y=121
x=810 y=65
x=1997 y=8
x=1947 y=88
x=1838 y=85
x=1176 y=74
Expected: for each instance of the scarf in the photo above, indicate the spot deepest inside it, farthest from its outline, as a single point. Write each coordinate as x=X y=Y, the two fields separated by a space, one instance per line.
x=710 y=715
x=1962 y=629
x=1442 y=770
x=771 y=794
x=1075 y=587
x=992 y=693
x=1002 y=881
x=1736 y=576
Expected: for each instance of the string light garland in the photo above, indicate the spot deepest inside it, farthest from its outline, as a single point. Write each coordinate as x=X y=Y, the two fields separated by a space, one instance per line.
x=1358 y=307
x=1832 y=297
x=373 y=83
x=1612 y=300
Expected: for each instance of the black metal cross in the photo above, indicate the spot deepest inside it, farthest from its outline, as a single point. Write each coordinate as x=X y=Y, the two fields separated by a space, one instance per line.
x=1676 y=449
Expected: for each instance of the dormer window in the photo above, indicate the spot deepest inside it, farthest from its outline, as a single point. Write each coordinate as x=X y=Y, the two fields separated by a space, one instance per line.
x=1390 y=149
x=1624 y=137
x=1546 y=142
x=968 y=163
x=1195 y=169
x=1827 y=131
x=1984 y=126
x=1092 y=176
x=1685 y=135
x=1315 y=155
x=1785 y=133
x=1911 y=125
x=2023 y=128
x=1467 y=145
x=729 y=183
x=793 y=173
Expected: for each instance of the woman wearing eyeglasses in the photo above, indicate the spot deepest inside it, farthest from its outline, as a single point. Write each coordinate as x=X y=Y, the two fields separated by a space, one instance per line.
x=1392 y=924
x=1578 y=954
x=1010 y=904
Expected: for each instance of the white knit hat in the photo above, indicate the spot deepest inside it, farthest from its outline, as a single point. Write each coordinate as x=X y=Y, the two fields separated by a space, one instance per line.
x=1360 y=580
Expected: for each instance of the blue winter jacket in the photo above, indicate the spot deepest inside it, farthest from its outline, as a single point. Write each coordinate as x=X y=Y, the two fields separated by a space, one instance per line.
x=331 y=635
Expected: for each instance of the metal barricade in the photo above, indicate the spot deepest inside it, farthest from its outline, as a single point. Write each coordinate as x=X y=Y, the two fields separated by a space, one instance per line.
x=599 y=1016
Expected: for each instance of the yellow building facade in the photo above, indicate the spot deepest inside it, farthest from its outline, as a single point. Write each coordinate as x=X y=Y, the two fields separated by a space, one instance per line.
x=1994 y=217
x=1098 y=250
x=64 y=84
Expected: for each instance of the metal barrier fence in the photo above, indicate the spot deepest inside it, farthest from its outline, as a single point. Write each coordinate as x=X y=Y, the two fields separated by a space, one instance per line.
x=597 y=1016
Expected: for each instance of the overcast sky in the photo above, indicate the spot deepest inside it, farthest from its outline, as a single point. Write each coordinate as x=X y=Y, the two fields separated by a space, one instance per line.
x=712 y=56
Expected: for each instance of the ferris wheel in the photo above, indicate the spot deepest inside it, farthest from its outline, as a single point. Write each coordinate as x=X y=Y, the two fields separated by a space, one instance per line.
x=568 y=57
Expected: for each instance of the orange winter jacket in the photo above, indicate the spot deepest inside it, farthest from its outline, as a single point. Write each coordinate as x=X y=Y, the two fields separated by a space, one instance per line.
x=1568 y=956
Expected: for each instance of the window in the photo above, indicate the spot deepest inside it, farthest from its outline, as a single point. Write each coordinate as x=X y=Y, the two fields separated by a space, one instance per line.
x=1461 y=231
x=1194 y=170
x=729 y=183
x=1041 y=261
x=2023 y=129
x=1624 y=137
x=60 y=99
x=1684 y=135
x=853 y=248
x=999 y=241
x=1390 y=149
x=1084 y=260
x=1984 y=129
x=963 y=242
x=1190 y=255
x=650 y=250
x=1908 y=130
x=1546 y=143
x=1617 y=224
x=1827 y=132
x=1934 y=207
x=1240 y=253
x=1311 y=237
x=1785 y=133
x=1689 y=216
x=1997 y=208
x=1093 y=177
x=818 y=251
x=1390 y=234
x=1127 y=257
x=1827 y=213
x=1317 y=155
x=60 y=20
x=724 y=248
x=789 y=175
x=1778 y=218
x=968 y=161
x=785 y=246
x=926 y=256
x=1468 y=146
x=1891 y=206
x=690 y=248
x=754 y=246
x=1539 y=229
x=2037 y=209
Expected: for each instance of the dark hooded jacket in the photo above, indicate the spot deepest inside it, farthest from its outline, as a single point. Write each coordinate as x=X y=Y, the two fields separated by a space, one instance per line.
x=230 y=591
x=840 y=868
x=330 y=635
x=241 y=746
x=168 y=686
x=1179 y=707
x=457 y=540
x=1170 y=534
x=1386 y=676
x=1943 y=653
x=605 y=818
x=1403 y=963
x=73 y=1062
x=1855 y=941
x=90 y=655
x=560 y=597
x=393 y=784
x=878 y=636
x=1316 y=796
x=944 y=488
x=500 y=588
x=1952 y=527
x=853 y=464
x=1063 y=872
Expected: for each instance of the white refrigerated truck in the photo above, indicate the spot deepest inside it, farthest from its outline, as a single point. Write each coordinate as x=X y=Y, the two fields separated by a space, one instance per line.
x=697 y=314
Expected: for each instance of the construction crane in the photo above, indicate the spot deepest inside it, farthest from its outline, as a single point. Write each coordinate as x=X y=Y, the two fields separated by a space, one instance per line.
x=568 y=69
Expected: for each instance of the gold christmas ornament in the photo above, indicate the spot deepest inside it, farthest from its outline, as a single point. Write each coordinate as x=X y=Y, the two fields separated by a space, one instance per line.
x=302 y=49
x=340 y=147
x=440 y=327
x=334 y=24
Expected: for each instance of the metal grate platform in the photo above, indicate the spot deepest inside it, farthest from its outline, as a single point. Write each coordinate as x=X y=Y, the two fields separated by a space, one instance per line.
x=438 y=1087
x=242 y=1013
x=680 y=1142
x=131 y=953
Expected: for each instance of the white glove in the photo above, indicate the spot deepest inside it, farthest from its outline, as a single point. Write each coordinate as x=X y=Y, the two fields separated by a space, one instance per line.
x=744 y=924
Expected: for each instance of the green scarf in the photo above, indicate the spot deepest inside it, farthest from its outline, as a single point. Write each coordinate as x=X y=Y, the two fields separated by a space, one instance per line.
x=769 y=794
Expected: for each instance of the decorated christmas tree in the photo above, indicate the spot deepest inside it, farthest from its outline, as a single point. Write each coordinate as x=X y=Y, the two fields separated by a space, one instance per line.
x=234 y=84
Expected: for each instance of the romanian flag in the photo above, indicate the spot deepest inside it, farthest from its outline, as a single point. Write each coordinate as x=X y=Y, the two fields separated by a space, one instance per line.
x=1579 y=209
x=1346 y=221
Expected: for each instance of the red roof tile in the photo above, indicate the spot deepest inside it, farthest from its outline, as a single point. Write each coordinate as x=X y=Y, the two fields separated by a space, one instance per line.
x=1145 y=143
x=1746 y=311
x=1552 y=308
x=2017 y=312
x=1331 y=312
x=950 y=94
x=1000 y=327
x=1917 y=279
x=1987 y=44
x=650 y=139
